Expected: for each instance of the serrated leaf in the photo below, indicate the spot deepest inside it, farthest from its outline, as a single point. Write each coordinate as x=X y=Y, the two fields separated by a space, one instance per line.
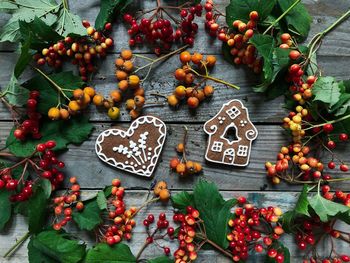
x=108 y=10
x=90 y=217
x=326 y=209
x=68 y=23
x=302 y=205
x=66 y=80
x=24 y=58
x=101 y=200
x=15 y=94
x=75 y=130
x=58 y=246
x=326 y=90
x=36 y=256
x=239 y=10
x=37 y=210
x=6 y=208
x=163 y=259
x=119 y=253
x=298 y=20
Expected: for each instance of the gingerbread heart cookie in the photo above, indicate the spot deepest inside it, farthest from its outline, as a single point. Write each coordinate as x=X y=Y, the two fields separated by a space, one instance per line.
x=135 y=150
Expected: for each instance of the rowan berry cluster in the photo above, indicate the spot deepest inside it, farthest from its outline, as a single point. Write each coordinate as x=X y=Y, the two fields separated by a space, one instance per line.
x=183 y=166
x=47 y=166
x=31 y=124
x=80 y=101
x=161 y=190
x=81 y=51
x=211 y=21
x=186 y=236
x=188 y=90
x=122 y=218
x=63 y=205
x=160 y=32
x=255 y=227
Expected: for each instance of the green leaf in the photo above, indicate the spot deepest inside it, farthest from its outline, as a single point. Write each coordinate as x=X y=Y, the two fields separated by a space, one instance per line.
x=214 y=211
x=162 y=259
x=181 y=200
x=6 y=208
x=68 y=23
x=36 y=256
x=119 y=253
x=24 y=58
x=298 y=20
x=326 y=209
x=66 y=80
x=101 y=200
x=26 y=11
x=58 y=246
x=37 y=209
x=75 y=130
x=327 y=90
x=108 y=10
x=90 y=217
x=16 y=94
x=238 y=9
x=46 y=187
x=302 y=205
x=265 y=46
x=288 y=221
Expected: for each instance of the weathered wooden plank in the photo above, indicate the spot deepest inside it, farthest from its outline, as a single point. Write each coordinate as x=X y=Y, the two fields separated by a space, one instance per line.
x=161 y=80
x=134 y=198
x=81 y=161
x=324 y=13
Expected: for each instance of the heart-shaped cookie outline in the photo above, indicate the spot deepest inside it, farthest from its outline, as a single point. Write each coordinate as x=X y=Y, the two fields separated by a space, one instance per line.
x=127 y=133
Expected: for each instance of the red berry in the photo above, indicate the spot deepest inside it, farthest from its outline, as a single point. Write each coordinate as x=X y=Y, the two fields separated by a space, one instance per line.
x=327 y=128
x=150 y=218
x=166 y=250
x=302 y=245
x=343 y=137
x=50 y=144
x=2 y=184
x=331 y=165
x=41 y=147
x=149 y=240
x=11 y=184
x=345 y=258
x=294 y=55
x=31 y=103
x=170 y=231
x=241 y=200
x=162 y=216
x=146 y=222
x=110 y=240
x=344 y=168
x=272 y=253
x=331 y=144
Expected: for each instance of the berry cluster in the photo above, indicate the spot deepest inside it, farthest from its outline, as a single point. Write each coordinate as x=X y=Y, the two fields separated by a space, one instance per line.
x=47 y=166
x=161 y=190
x=31 y=124
x=64 y=205
x=183 y=166
x=161 y=225
x=192 y=92
x=81 y=99
x=123 y=221
x=160 y=32
x=81 y=51
x=186 y=235
x=255 y=227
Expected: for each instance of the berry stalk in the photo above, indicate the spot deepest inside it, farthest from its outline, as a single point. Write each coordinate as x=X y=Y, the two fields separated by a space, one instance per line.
x=17 y=245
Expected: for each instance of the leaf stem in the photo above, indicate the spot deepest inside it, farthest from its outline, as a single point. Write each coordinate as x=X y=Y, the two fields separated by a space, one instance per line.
x=17 y=245
x=281 y=16
x=65 y=4
x=329 y=122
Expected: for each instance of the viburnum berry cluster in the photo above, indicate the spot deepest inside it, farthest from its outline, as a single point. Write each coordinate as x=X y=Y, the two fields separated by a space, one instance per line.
x=43 y=162
x=81 y=51
x=161 y=191
x=256 y=228
x=183 y=166
x=162 y=29
x=63 y=205
x=189 y=226
x=30 y=126
x=192 y=92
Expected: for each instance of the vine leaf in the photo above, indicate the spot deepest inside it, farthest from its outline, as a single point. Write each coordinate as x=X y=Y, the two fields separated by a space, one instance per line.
x=108 y=10
x=57 y=246
x=6 y=208
x=68 y=23
x=302 y=205
x=326 y=90
x=101 y=200
x=119 y=253
x=75 y=130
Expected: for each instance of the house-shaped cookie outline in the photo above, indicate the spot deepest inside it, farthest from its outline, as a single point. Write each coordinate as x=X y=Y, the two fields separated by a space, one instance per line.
x=236 y=153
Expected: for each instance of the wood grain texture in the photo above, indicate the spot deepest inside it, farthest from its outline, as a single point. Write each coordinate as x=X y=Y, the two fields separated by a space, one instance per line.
x=82 y=161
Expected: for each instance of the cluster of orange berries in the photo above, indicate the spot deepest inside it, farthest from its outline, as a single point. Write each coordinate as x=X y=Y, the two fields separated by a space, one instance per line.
x=248 y=231
x=187 y=251
x=182 y=166
x=190 y=91
x=81 y=99
x=129 y=85
x=64 y=205
x=161 y=190
x=81 y=51
x=123 y=221
x=238 y=41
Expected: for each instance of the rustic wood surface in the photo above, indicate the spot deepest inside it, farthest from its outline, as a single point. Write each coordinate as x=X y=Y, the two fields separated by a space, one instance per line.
x=82 y=162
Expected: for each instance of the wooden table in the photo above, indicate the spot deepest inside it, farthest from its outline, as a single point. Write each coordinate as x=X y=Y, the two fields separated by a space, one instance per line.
x=81 y=161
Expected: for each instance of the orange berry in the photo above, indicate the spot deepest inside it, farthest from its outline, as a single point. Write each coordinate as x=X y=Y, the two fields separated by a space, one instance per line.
x=54 y=113
x=128 y=66
x=197 y=58
x=97 y=100
x=285 y=37
x=79 y=206
x=185 y=57
x=211 y=60
x=189 y=78
x=126 y=54
x=254 y=15
x=180 y=74
x=192 y=102
x=119 y=62
x=181 y=168
x=174 y=162
x=236 y=23
x=190 y=166
x=134 y=114
x=197 y=167
x=139 y=92
x=164 y=195
x=64 y=114
x=208 y=91
x=121 y=75
x=123 y=85
x=139 y=101
x=180 y=92
x=89 y=91
x=130 y=104
x=173 y=100
x=200 y=95
x=78 y=94
x=116 y=95
x=161 y=185
x=180 y=148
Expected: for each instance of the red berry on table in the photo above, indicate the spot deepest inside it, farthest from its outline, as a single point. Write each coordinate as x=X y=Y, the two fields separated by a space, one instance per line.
x=343 y=137
x=241 y=200
x=162 y=216
x=344 y=168
x=327 y=128
x=331 y=144
x=149 y=240
x=331 y=165
x=150 y=218
x=166 y=250
x=146 y=222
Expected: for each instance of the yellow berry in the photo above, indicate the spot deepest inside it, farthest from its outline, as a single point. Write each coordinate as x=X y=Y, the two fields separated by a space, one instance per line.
x=180 y=92
x=113 y=113
x=54 y=113
x=90 y=91
x=78 y=93
x=134 y=81
x=173 y=101
x=74 y=105
x=130 y=104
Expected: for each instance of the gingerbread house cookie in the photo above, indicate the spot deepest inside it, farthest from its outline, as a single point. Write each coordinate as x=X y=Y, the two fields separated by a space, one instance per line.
x=136 y=149
x=230 y=135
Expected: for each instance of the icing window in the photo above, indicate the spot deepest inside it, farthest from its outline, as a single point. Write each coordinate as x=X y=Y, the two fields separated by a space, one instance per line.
x=233 y=112
x=217 y=147
x=242 y=151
